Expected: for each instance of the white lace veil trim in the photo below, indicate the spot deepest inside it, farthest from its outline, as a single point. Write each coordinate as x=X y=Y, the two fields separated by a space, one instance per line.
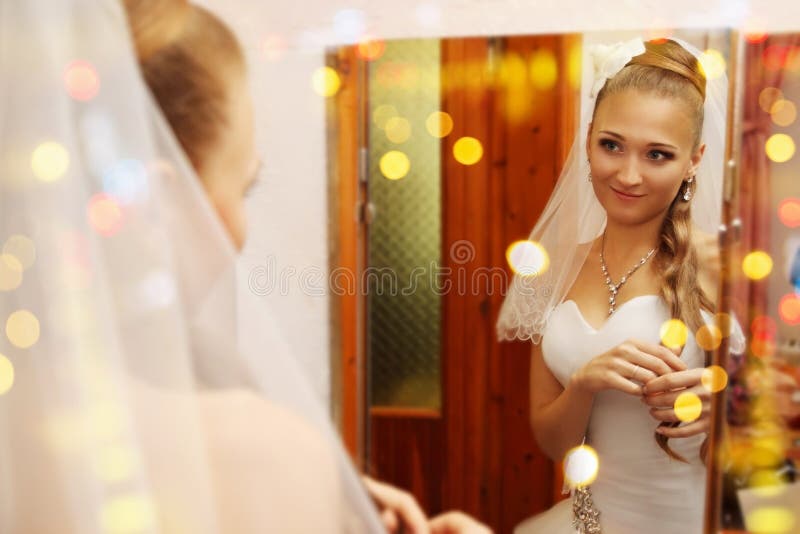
x=573 y=218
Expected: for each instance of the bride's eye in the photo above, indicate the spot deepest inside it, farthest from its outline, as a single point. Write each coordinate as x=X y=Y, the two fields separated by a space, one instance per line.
x=658 y=155
x=611 y=146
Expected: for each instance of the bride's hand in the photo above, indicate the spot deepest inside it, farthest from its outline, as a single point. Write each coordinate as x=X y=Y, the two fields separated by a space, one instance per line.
x=660 y=394
x=399 y=510
x=626 y=364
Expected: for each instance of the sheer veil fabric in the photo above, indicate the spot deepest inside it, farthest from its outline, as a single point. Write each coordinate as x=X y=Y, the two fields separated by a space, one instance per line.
x=138 y=402
x=573 y=218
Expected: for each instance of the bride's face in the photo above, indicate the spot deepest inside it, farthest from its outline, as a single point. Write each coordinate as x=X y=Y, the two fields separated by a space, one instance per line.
x=640 y=149
x=230 y=167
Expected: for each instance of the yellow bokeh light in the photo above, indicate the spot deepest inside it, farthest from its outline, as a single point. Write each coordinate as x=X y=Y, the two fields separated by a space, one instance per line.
x=767 y=482
x=22 y=329
x=674 y=333
x=768 y=96
x=779 y=148
x=326 y=81
x=783 y=112
x=544 y=69
x=527 y=258
x=49 y=161
x=713 y=64
x=512 y=72
x=115 y=463
x=439 y=124
x=10 y=272
x=394 y=165
x=468 y=151
x=6 y=375
x=21 y=248
x=688 y=407
x=771 y=520
x=127 y=514
x=398 y=130
x=708 y=337
x=757 y=265
x=581 y=465
x=382 y=114
x=81 y=80
x=714 y=378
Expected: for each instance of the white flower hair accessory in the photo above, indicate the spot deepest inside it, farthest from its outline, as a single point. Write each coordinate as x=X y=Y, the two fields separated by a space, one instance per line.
x=609 y=60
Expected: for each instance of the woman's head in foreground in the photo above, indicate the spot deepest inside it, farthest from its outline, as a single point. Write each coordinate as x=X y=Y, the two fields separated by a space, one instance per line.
x=196 y=71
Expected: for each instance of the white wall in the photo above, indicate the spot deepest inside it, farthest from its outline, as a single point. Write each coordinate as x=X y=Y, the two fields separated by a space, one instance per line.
x=290 y=215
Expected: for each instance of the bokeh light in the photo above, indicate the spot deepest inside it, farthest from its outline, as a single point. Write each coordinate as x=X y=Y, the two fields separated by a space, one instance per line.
x=439 y=124
x=674 y=333
x=763 y=327
x=708 y=337
x=126 y=181
x=766 y=482
x=757 y=265
x=762 y=347
x=783 y=112
x=768 y=96
x=468 y=151
x=22 y=329
x=371 y=49
x=789 y=309
x=49 y=161
x=778 y=56
x=713 y=63
x=10 y=272
x=544 y=69
x=273 y=47
x=714 y=378
x=394 y=165
x=115 y=463
x=574 y=65
x=398 y=130
x=789 y=212
x=326 y=81
x=688 y=407
x=127 y=514
x=755 y=36
x=22 y=248
x=382 y=114
x=771 y=520
x=527 y=258
x=81 y=80
x=779 y=148
x=581 y=465
x=104 y=214
x=6 y=375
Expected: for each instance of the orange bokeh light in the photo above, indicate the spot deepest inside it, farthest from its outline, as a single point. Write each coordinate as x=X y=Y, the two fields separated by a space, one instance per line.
x=81 y=80
x=371 y=49
x=789 y=212
x=789 y=309
x=105 y=214
x=763 y=327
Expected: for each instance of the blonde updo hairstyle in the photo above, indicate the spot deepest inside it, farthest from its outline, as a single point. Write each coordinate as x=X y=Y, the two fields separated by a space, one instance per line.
x=668 y=70
x=186 y=55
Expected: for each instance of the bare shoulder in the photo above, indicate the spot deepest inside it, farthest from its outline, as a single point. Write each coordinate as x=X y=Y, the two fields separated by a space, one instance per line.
x=707 y=247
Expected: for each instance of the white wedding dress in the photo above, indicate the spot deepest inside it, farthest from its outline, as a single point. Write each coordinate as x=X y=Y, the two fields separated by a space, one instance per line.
x=638 y=488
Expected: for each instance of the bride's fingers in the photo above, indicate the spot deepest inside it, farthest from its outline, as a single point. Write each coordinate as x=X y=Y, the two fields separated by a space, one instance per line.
x=661 y=352
x=667 y=400
x=669 y=415
x=634 y=356
x=637 y=373
x=671 y=381
x=684 y=431
x=621 y=383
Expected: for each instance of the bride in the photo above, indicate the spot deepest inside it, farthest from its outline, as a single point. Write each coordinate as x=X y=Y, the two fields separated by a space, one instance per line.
x=627 y=232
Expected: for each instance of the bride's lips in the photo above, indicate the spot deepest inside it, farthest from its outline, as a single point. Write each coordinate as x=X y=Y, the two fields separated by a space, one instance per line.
x=625 y=196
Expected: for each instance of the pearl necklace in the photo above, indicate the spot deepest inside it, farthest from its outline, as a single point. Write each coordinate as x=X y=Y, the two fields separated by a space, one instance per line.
x=613 y=288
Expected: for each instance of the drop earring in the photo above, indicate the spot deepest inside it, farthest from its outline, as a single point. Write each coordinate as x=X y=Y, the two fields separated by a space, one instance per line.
x=687 y=193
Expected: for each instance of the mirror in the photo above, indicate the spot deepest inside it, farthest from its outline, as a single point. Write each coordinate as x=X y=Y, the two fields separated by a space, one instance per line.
x=442 y=153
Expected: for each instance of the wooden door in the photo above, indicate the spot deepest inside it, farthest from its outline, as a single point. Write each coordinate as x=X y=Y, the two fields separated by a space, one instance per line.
x=475 y=451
